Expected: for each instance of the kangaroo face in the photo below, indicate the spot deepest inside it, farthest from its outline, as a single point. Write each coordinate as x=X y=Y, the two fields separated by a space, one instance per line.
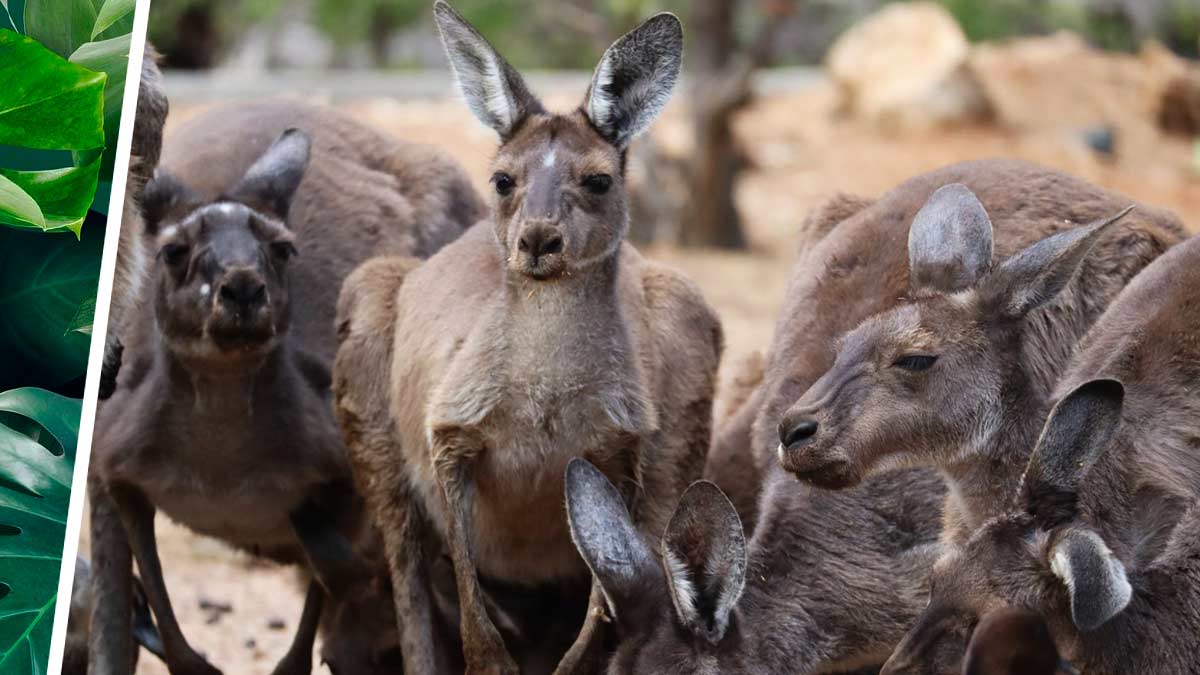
x=560 y=199
x=222 y=284
x=918 y=384
x=934 y=380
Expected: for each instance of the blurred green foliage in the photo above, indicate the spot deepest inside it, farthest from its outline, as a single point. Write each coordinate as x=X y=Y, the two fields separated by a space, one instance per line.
x=572 y=33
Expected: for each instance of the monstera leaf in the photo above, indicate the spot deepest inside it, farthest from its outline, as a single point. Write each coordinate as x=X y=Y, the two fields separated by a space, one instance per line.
x=38 y=433
x=49 y=103
x=46 y=285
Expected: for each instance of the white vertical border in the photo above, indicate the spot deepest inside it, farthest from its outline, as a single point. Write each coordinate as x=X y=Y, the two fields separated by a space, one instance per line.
x=133 y=77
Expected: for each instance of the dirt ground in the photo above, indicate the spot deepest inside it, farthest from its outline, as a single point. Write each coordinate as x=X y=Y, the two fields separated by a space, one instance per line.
x=802 y=152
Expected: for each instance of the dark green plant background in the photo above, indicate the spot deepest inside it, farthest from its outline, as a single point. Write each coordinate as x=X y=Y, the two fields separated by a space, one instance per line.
x=63 y=64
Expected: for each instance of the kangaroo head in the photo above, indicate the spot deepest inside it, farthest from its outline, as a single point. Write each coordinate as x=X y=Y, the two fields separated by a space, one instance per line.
x=673 y=616
x=1039 y=557
x=559 y=197
x=927 y=381
x=221 y=271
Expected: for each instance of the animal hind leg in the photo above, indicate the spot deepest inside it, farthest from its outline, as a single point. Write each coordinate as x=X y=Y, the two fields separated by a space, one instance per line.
x=137 y=514
x=110 y=643
x=298 y=660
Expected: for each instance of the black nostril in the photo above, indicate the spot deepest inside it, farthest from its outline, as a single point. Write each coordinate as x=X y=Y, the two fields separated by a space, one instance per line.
x=540 y=241
x=553 y=244
x=243 y=292
x=794 y=431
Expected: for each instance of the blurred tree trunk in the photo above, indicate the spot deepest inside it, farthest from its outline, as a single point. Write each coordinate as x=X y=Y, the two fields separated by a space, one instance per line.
x=721 y=73
x=717 y=91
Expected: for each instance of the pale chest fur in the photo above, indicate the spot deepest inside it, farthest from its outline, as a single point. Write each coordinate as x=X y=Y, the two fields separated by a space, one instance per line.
x=534 y=386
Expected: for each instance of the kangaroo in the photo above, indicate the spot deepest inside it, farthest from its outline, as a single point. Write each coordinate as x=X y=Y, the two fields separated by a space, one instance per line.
x=828 y=581
x=1062 y=548
x=464 y=385
x=946 y=372
x=221 y=417
x=132 y=263
x=79 y=621
x=1012 y=642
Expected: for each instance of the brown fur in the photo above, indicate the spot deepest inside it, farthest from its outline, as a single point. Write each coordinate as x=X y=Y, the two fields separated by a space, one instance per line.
x=223 y=423
x=968 y=414
x=831 y=579
x=464 y=385
x=1131 y=486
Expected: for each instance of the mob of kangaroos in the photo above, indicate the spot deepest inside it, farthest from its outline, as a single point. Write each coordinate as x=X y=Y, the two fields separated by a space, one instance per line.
x=481 y=426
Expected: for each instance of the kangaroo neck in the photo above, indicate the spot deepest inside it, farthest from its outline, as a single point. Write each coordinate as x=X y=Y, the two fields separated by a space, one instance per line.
x=586 y=298
x=227 y=388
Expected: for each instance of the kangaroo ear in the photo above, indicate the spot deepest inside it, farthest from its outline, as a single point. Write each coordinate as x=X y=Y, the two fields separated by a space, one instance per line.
x=165 y=197
x=949 y=242
x=494 y=91
x=607 y=540
x=704 y=553
x=1036 y=275
x=271 y=181
x=1095 y=579
x=1078 y=430
x=634 y=79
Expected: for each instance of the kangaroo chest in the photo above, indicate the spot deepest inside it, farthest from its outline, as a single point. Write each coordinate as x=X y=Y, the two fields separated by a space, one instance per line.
x=226 y=467
x=533 y=396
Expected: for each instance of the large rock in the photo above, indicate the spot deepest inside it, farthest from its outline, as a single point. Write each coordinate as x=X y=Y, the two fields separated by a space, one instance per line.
x=906 y=66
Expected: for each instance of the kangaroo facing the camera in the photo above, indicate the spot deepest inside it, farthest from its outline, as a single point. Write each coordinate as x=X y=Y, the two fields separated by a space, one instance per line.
x=220 y=417
x=466 y=384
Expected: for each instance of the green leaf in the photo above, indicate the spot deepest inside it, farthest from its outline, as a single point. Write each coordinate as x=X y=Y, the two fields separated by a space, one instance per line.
x=56 y=417
x=85 y=317
x=63 y=195
x=43 y=281
x=113 y=12
x=35 y=491
x=17 y=208
x=48 y=102
x=60 y=25
x=112 y=58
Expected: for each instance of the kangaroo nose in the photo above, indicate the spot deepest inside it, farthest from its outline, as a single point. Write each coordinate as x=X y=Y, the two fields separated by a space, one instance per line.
x=795 y=430
x=243 y=291
x=540 y=241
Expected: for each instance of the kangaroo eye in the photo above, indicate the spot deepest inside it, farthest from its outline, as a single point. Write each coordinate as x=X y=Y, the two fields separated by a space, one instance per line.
x=504 y=183
x=916 y=362
x=597 y=183
x=173 y=254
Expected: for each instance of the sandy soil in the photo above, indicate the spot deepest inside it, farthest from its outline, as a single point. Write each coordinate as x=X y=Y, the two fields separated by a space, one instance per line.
x=802 y=153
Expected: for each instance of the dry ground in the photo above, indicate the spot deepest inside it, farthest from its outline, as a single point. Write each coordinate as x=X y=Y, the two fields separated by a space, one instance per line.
x=802 y=152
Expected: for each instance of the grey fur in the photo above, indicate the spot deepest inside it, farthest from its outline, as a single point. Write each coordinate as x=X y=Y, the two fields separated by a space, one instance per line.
x=831 y=578
x=221 y=410
x=634 y=79
x=1132 y=497
x=465 y=385
x=949 y=242
x=493 y=90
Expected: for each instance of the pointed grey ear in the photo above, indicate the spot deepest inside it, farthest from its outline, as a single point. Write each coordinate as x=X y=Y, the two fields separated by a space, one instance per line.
x=270 y=183
x=1077 y=431
x=494 y=91
x=704 y=554
x=634 y=79
x=1034 y=276
x=164 y=197
x=607 y=540
x=949 y=242
x=1095 y=579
